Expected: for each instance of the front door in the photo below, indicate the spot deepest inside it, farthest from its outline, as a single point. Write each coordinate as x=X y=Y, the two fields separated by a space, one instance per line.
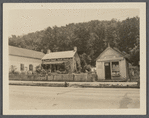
x=107 y=71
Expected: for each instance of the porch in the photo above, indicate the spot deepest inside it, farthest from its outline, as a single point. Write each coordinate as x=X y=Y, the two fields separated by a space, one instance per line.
x=56 y=66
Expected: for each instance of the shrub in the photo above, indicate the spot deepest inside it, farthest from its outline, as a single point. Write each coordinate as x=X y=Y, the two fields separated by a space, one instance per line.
x=29 y=72
x=13 y=69
x=67 y=67
x=134 y=73
x=88 y=68
x=14 y=73
x=23 y=73
x=59 y=72
x=78 y=67
x=38 y=69
x=43 y=72
x=34 y=73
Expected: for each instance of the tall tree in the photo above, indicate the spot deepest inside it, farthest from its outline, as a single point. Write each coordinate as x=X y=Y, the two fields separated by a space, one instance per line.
x=91 y=38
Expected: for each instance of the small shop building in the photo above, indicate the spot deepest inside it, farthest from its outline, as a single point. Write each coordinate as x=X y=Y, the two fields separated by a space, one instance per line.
x=112 y=64
x=61 y=61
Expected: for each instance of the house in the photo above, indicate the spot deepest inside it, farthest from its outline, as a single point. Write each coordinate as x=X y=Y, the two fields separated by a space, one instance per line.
x=61 y=60
x=23 y=60
x=112 y=64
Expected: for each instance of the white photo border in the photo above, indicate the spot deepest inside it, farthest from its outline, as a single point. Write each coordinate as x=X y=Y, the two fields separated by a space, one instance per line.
x=140 y=5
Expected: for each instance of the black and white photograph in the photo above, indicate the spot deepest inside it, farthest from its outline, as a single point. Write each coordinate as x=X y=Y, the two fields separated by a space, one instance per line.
x=74 y=58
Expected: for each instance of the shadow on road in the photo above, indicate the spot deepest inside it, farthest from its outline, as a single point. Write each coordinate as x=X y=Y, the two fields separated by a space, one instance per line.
x=125 y=101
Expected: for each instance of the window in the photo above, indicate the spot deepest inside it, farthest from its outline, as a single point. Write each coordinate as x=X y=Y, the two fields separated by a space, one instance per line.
x=30 y=67
x=22 y=67
x=115 y=69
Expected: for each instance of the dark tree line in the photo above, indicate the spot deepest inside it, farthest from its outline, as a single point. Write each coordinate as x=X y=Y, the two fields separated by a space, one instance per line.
x=91 y=38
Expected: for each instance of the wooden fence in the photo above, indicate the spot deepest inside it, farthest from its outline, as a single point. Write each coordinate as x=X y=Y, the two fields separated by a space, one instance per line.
x=83 y=77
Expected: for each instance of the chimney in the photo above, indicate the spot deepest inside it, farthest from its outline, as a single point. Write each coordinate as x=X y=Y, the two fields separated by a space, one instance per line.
x=48 y=51
x=75 y=49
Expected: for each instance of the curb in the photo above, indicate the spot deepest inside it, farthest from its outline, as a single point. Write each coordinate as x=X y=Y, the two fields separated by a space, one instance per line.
x=76 y=84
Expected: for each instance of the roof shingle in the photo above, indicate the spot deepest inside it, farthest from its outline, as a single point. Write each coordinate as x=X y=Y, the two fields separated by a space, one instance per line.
x=25 y=52
x=62 y=54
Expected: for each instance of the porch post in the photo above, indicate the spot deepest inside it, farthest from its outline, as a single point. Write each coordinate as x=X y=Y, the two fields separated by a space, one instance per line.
x=54 y=67
x=50 y=68
x=111 y=68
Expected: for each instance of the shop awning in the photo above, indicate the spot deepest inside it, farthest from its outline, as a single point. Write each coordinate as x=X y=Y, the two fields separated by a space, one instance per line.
x=53 y=62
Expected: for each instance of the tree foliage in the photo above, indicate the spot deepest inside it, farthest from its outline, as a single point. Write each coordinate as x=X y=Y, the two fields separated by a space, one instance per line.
x=90 y=38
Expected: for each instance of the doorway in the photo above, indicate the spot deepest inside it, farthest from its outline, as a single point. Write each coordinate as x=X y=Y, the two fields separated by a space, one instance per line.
x=107 y=71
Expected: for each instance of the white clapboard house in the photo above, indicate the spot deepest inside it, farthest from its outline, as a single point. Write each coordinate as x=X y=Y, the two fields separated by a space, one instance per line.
x=24 y=59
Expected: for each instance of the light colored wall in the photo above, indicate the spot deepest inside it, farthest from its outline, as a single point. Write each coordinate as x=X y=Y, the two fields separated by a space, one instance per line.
x=16 y=61
x=100 y=70
x=110 y=54
x=127 y=70
x=122 y=65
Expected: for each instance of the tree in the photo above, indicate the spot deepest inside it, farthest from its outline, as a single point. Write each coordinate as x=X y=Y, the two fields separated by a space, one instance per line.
x=91 y=39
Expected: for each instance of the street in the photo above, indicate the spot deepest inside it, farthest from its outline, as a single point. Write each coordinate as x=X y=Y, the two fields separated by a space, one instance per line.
x=44 y=98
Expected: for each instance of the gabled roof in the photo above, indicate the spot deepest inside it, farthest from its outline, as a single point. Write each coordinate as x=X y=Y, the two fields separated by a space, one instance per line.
x=125 y=55
x=62 y=54
x=25 y=52
x=122 y=53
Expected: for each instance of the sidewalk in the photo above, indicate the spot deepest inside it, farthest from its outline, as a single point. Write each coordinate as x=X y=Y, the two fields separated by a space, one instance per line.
x=76 y=84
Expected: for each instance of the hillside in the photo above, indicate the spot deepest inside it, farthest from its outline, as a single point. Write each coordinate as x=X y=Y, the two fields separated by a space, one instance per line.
x=91 y=38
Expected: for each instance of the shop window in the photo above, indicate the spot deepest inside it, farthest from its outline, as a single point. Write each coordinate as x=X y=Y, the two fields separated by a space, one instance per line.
x=30 y=67
x=115 y=69
x=22 y=67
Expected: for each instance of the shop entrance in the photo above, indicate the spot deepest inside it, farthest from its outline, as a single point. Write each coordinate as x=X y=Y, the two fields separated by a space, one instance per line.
x=107 y=71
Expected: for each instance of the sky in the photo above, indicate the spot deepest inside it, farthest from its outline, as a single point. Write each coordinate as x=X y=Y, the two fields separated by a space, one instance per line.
x=23 y=21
